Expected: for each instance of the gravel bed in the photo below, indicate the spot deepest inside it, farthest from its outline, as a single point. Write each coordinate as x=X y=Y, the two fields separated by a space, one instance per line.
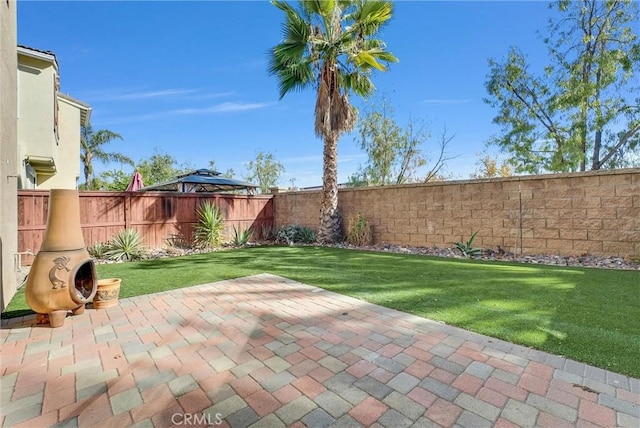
x=543 y=259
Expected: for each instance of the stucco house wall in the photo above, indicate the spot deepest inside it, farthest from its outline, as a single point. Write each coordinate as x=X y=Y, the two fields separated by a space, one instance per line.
x=36 y=95
x=68 y=153
x=8 y=152
x=48 y=124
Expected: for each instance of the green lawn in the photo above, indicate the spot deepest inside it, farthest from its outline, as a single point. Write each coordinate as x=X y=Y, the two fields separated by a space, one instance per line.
x=591 y=315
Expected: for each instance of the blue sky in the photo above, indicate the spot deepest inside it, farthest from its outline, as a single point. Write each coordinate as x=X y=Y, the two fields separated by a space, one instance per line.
x=190 y=78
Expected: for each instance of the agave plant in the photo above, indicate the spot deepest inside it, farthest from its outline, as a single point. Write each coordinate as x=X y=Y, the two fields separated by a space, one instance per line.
x=208 y=230
x=98 y=250
x=126 y=245
x=241 y=236
x=466 y=248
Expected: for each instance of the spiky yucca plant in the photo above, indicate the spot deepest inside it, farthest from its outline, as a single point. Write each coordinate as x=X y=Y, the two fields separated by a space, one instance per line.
x=208 y=231
x=126 y=245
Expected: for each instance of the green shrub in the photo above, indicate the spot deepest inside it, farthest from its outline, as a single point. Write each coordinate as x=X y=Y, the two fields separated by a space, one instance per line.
x=305 y=235
x=466 y=248
x=125 y=245
x=98 y=250
x=359 y=230
x=287 y=234
x=294 y=233
x=241 y=236
x=208 y=231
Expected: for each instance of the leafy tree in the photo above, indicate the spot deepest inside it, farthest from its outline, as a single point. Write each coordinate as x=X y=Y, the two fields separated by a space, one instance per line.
x=331 y=46
x=264 y=170
x=581 y=110
x=115 y=180
x=631 y=158
x=393 y=153
x=92 y=148
x=229 y=173
x=488 y=168
x=160 y=167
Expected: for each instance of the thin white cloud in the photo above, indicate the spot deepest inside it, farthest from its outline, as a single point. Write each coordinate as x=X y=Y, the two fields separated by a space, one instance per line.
x=142 y=95
x=447 y=101
x=222 y=108
x=218 y=108
x=211 y=95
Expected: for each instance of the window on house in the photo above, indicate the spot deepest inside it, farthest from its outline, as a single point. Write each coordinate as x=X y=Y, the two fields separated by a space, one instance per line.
x=32 y=177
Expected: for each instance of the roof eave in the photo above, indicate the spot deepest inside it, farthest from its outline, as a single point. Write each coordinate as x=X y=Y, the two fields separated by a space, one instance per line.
x=41 y=55
x=85 y=109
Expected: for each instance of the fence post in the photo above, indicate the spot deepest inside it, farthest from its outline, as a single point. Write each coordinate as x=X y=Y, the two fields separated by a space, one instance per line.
x=127 y=208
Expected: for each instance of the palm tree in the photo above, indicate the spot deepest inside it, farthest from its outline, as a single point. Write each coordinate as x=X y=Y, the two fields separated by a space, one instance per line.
x=91 y=147
x=330 y=45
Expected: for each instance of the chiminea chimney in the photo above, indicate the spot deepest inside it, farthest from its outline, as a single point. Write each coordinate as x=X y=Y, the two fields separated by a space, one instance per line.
x=63 y=275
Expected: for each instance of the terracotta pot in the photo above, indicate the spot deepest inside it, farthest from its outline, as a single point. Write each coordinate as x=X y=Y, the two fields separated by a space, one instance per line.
x=107 y=294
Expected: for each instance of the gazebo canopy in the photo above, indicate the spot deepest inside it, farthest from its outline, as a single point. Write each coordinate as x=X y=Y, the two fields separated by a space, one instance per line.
x=201 y=180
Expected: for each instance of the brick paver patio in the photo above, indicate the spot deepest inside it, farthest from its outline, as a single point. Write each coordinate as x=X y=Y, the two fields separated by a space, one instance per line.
x=265 y=351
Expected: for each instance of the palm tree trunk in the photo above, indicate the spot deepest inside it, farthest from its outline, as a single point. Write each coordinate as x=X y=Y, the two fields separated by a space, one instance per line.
x=330 y=230
x=87 y=176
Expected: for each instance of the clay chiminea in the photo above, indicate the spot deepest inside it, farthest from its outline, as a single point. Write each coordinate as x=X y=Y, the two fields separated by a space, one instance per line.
x=63 y=275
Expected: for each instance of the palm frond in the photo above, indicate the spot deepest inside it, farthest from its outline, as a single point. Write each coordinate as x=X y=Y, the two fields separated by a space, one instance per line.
x=295 y=79
x=119 y=157
x=287 y=60
x=323 y=8
x=285 y=7
x=369 y=16
x=328 y=44
x=364 y=59
x=293 y=73
x=384 y=56
x=359 y=83
x=104 y=136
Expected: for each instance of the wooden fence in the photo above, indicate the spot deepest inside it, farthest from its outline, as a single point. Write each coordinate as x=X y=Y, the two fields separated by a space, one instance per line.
x=160 y=218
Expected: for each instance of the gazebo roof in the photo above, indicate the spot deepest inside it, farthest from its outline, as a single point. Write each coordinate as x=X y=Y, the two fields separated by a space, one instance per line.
x=201 y=180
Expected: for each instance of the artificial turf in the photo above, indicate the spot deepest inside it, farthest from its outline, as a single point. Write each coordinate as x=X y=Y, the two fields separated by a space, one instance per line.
x=590 y=315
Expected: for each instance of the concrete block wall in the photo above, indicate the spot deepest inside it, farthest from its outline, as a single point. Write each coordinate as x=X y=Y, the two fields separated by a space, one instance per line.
x=596 y=212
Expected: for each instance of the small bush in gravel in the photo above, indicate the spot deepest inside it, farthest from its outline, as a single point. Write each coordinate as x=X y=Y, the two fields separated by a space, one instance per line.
x=359 y=231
